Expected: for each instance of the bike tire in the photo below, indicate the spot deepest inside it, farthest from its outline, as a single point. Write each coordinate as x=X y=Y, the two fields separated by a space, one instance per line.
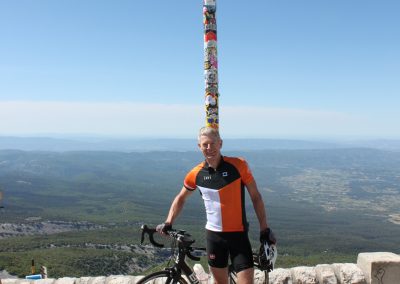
x=160 y=277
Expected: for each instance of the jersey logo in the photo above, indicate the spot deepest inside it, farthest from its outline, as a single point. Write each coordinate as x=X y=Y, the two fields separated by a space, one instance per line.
x=207 y=177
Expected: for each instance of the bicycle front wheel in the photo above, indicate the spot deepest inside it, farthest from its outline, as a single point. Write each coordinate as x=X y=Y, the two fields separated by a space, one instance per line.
x=161 y=277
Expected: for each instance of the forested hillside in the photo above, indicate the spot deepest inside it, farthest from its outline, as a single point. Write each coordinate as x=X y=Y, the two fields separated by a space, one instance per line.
x=79 y=212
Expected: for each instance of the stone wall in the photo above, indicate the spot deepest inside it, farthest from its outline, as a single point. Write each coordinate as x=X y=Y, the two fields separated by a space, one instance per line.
x=371 y=268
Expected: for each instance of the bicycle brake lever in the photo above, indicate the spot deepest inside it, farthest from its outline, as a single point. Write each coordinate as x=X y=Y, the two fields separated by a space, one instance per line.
x=150 y=232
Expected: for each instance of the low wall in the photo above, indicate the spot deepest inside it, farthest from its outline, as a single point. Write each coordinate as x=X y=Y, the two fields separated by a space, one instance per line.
x=371 y=268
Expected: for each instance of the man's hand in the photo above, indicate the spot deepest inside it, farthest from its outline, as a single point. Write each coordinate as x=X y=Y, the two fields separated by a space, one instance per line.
x=164 y=227
x=267 y=236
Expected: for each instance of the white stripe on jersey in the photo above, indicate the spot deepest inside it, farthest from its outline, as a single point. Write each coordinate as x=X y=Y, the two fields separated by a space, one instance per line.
x=213 y=208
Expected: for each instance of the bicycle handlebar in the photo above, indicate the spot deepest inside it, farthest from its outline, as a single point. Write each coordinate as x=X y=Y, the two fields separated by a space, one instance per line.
x=150 y=232
x=181 y=236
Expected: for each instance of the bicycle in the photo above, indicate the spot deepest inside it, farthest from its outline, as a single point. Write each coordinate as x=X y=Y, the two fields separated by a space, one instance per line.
x=173 y=273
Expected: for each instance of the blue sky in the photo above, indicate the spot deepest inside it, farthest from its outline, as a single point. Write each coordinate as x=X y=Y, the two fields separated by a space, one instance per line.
x=287 y=69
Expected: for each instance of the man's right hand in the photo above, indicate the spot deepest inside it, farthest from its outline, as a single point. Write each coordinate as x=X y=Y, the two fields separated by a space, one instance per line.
x=164 y=228
x=267 y=236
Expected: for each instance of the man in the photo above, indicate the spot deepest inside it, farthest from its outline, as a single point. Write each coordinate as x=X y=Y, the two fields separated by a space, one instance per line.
x=221 y=181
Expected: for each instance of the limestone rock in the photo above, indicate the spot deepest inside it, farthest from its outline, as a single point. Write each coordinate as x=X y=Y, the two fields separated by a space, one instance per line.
x=280 y=276
x=119 y=279
x=325 y=274
x=97 y=280
x=303 y=275
x=45 y=281
x=65 y=280
x=349 y=273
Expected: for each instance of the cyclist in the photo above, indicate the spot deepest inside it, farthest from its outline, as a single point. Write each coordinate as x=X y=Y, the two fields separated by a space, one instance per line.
x=221 y=181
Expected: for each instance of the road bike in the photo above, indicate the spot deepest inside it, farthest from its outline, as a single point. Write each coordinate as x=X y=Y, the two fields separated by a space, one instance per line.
x=180 y=272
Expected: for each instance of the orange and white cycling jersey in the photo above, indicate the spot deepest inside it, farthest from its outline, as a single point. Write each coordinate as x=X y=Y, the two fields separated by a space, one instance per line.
x=223 y=193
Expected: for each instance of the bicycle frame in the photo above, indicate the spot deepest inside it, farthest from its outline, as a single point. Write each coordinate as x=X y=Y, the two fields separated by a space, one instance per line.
x=182 y=266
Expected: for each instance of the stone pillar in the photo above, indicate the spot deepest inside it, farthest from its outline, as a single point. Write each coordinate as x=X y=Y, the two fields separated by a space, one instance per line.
x=380 y=267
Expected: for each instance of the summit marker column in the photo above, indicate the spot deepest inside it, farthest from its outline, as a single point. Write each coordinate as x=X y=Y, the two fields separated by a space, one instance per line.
x=210 y=63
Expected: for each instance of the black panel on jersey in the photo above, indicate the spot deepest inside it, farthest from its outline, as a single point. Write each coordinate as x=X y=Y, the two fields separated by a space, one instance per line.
x=217 y=179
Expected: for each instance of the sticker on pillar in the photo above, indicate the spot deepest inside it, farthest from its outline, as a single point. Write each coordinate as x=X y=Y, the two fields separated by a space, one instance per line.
x=211 y=110
x=212 y=119
x=210 y=36
x=213 y=61
x=210 y=52
x=207 y=65
x=210 y=100
x=210 y=44
x=212 y=122
x=210 y=8
x=211 y=76
x=212 y=89
x=210 y=27
x=208 y=18
x=209 y=2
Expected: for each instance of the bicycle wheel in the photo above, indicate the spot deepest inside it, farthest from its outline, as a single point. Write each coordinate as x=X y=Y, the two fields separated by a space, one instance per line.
x=160 y=277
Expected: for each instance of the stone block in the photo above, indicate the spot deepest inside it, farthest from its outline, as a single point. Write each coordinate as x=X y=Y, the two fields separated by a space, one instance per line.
x=65 y=280
x=119 y=279
x=303 y=275
x=44 y=281
x=325 y=274
x=380 y=267
x=82 y=280
x=10 y=281
x=280 y=276
x=97 y=280
x=348 y=273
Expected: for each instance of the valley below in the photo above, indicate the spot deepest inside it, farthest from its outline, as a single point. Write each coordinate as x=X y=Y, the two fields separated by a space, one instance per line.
x=79 y=213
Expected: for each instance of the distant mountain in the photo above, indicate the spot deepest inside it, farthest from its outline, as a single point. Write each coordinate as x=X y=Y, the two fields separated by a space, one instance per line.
x=145 y=145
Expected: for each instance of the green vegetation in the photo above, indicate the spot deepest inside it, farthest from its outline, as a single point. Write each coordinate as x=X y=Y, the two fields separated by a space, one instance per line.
x=325 y=206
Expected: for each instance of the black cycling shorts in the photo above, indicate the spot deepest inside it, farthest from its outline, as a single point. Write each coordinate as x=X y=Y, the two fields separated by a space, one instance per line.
x=221 y=245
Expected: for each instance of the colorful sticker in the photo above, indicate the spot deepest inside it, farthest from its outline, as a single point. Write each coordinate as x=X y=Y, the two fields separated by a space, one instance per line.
x=210 y=36
x=211 y=76
x=212 y=89
x=210 y=27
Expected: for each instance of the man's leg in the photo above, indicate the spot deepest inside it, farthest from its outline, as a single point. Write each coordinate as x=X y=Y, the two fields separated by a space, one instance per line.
x=246 y=276
x=220 y=275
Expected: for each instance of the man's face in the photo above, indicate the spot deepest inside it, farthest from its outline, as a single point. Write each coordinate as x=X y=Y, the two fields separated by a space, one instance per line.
x=210 y=146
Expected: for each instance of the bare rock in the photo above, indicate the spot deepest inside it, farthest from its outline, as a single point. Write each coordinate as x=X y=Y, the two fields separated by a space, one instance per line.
x=349 y=273
x=304 y=275
x=280 y=276
x=325 y=274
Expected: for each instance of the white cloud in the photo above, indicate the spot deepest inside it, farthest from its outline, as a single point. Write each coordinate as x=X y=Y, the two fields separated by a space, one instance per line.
x=157 y=120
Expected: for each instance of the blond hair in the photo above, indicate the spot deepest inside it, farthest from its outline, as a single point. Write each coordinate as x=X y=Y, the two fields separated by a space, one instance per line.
x=209 y=132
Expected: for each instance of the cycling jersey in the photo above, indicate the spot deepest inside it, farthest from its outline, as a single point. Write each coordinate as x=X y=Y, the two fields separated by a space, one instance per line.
x=223 y=193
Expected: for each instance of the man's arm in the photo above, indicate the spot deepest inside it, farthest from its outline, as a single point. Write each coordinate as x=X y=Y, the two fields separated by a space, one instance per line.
x=258 y=204
x=177 y=205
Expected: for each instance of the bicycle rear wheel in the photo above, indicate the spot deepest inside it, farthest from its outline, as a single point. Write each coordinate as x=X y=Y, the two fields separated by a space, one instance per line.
x=161 y=277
